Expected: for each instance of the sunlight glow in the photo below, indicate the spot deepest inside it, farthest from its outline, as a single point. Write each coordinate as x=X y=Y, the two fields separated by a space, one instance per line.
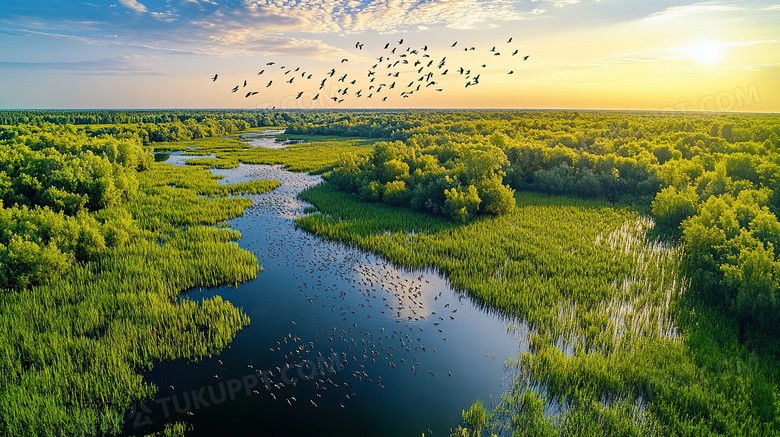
x=706 y=54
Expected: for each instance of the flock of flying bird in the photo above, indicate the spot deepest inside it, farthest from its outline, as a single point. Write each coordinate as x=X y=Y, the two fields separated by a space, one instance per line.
x=400 y=69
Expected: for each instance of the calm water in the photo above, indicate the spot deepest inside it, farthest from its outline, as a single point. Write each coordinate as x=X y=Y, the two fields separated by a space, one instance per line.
x=408 y=352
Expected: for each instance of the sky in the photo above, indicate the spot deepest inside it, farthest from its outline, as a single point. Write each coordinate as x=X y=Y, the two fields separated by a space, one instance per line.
x=584 y=54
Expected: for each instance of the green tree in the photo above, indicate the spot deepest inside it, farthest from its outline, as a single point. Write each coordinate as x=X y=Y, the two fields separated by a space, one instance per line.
x=671 y=206
x=461 y=206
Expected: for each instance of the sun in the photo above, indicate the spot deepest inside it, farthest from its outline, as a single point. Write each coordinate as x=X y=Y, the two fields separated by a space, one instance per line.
x=706 y=54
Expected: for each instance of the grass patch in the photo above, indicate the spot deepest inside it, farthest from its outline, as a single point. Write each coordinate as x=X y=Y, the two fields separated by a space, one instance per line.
x=318 y=155
x=640 y=357
x=70 y=350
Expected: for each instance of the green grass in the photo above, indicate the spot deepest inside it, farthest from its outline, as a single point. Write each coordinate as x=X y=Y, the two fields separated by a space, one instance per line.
x=641 y=359
x=317 y=155
x=70 y=350
x=553 y=261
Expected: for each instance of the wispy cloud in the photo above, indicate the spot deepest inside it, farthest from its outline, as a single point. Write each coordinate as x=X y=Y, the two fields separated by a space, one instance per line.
x=252 y=26
x=118 y=65
x=696 y=9
x=559 y=3
x=384 y=16
x=134 y=5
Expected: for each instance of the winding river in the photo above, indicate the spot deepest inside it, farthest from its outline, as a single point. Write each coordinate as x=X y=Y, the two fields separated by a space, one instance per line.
x=341 y=342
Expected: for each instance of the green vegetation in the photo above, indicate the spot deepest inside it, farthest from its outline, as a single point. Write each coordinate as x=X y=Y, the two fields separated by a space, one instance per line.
x=642 y=249
x=710 y=178
x=661 y=338
x=316 y=155
x=474 y=418
x=455 y=180
x=96 y=246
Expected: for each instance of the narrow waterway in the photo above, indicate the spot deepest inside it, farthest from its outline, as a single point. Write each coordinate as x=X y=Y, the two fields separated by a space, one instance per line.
x=341 y=342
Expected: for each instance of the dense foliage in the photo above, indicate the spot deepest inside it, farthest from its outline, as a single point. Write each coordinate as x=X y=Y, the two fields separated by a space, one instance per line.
x=629 y=335
x=709 y=178
x=459 y=181
x=646 y=357
x=96 y=243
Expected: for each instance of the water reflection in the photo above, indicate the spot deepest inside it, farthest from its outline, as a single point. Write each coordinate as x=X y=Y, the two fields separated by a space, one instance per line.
x=410 y=351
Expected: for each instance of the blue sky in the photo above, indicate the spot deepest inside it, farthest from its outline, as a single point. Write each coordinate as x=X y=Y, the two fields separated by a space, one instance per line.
x=582 y=53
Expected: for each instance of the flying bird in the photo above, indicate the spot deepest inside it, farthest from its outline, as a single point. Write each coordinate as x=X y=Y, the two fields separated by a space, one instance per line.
x=261 y=72
x=525 y=58
x=213 y=79
x=271 y=63
x=344 y=60
x=453 y=44
x=510 y=40
x=235 y=89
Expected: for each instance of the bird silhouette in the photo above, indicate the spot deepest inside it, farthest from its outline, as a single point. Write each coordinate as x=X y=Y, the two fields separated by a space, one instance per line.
x=214 y=79
x=426 y=71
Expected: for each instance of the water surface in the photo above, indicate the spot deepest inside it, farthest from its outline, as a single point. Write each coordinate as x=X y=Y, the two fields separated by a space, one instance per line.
x=411 y=352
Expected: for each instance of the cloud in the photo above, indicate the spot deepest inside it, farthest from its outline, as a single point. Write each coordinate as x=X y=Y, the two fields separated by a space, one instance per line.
x=384 y=16
x=696 y=9
x=134 y=5
x=559 y=3
x=269 y=26
x=119 y=65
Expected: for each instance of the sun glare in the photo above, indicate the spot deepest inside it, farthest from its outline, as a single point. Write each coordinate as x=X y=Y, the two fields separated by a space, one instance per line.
x=706 y=54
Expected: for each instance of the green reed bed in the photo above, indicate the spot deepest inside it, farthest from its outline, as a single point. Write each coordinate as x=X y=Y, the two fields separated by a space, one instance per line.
x=537 y=262
x=316 y=155
x=585 y=275
x=71 y=348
